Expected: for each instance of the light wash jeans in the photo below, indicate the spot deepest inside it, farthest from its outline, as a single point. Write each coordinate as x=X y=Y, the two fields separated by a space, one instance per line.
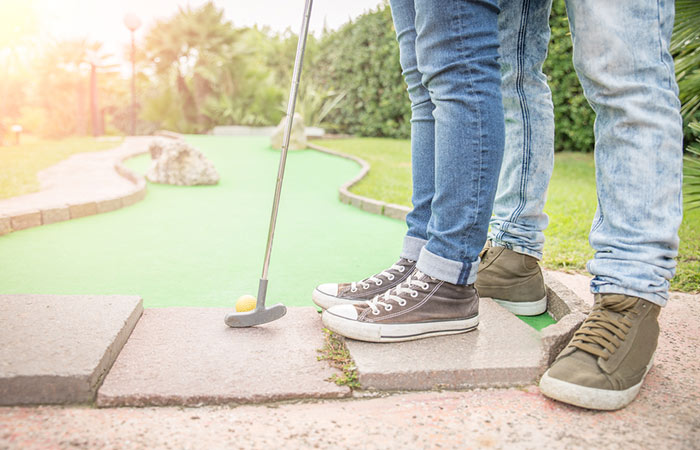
x=449 y=57
x=622 y=60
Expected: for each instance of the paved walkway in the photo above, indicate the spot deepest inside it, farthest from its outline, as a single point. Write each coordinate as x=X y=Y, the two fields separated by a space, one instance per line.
x=84 y=184
x=666 y=414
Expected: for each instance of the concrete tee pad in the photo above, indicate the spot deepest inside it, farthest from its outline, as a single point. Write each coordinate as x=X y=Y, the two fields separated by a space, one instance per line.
x=57 y=348
x=502 y=351
x=188 y=356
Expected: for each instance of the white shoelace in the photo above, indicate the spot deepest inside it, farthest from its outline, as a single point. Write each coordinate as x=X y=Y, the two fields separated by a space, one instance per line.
x=393 y=294
x=365 y=283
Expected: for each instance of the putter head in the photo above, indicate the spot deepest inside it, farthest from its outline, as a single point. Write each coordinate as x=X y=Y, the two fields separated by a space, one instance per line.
x=255 y=317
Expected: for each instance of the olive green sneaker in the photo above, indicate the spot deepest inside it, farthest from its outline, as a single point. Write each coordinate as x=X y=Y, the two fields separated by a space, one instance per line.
x=511 y=279
x=331 y=294
x=605 y=363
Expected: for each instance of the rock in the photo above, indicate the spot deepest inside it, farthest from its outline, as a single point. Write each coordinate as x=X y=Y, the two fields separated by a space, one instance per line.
x=297 y=141
x=175 y=162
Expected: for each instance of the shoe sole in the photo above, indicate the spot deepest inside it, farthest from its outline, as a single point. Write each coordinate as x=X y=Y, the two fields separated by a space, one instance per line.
x=524 y=308
x=375 y=332
x=588 y=397
x=325 y=301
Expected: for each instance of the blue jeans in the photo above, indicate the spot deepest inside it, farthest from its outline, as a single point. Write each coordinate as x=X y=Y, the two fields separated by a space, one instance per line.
x=622 y=61
x=449 y=57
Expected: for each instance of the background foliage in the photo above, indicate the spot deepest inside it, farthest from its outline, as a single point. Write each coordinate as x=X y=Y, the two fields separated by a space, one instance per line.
x=362 y=60
x=197 y=70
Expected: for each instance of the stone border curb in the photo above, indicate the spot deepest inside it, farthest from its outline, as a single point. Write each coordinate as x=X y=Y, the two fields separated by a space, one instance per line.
x=364 y=203
x=169 y=134
x=569 y=310
x=53 y=213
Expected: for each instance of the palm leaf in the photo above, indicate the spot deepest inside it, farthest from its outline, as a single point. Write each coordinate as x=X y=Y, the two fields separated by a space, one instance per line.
x=685 y=47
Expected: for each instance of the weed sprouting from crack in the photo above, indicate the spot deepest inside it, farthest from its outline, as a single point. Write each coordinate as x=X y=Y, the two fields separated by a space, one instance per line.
x=336 y=353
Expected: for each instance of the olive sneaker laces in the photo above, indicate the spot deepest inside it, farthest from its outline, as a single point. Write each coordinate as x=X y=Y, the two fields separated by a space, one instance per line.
x=604 y=365
x=511 y=279
x=331 y=294
x=419 y=307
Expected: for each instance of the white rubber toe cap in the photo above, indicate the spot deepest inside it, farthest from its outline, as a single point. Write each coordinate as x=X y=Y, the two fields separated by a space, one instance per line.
x=344 y=311
x=328 y=289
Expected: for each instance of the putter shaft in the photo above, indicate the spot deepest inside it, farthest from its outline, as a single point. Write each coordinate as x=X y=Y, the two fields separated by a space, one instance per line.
x=296 y=76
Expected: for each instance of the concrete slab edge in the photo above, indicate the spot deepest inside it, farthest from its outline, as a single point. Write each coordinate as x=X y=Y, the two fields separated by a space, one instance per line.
x=113 y=350
x=118 y=401
x=59 y=389
x=57 y=212
x=569 y=310
x=451 y=380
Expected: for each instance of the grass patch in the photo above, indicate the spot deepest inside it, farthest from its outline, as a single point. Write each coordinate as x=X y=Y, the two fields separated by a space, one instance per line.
x=336 y=353
x=21 y=163
x=571 y=204
x=389 y=178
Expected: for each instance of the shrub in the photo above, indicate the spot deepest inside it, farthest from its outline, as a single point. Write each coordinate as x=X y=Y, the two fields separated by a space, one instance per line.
x=573 y=116
x=362 y=60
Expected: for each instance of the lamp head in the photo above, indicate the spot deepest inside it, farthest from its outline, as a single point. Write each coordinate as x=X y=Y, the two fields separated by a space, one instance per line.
x=132 y=21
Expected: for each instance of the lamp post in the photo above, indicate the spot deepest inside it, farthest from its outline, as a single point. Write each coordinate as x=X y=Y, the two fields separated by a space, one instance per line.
x=132 y=22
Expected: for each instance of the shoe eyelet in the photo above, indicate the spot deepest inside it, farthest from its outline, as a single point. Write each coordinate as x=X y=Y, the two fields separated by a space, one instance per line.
x=426 y=286
x=365 y=286
x=353 y=290
x=402 y=303
x=379 y=283
x=375 y=313
x=388 y=308
x=402 y=269
x=391 y=277
x=414 y=294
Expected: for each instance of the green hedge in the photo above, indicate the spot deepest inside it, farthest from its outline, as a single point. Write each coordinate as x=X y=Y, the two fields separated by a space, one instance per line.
x=362 y=59
x=573 y=116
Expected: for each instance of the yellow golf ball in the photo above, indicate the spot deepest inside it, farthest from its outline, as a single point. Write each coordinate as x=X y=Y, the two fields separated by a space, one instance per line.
x=245 y=303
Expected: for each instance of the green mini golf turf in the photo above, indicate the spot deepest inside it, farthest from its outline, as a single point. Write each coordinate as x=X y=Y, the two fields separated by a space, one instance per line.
x=204 y=245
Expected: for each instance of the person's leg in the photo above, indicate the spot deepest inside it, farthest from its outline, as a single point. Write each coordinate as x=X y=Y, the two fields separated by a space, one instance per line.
x=622 y=59
x=423 y=163
x=519 y=220
x=422 y=130
x=457 y=53
x=509 y=272
x=456 y=49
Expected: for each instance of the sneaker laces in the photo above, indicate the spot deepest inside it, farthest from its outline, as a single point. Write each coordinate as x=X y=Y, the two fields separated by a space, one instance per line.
x=406 y=287
x=374 y=278
x=606 y=327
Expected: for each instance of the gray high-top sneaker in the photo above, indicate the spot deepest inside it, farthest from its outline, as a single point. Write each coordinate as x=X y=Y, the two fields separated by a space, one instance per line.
x=419 y=307
x=331 y=294
x=512 y=280
x=604 y=365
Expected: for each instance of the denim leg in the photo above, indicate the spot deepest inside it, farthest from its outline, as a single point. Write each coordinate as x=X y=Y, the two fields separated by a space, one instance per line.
x=457 y=53
x=422 y=130
x=518 y=219
x=621 y=57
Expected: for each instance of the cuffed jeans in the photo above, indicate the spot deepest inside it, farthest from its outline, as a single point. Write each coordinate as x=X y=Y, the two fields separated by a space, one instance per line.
x=622 y=60
x=449 y=57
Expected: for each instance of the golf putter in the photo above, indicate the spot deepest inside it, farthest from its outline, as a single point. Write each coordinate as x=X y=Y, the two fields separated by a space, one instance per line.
x=262 y=314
